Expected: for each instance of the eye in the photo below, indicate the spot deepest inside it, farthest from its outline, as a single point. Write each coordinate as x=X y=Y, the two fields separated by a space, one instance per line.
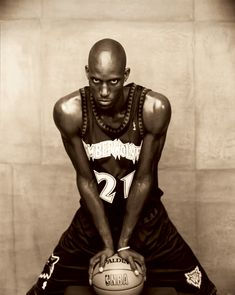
x=114 y=81
x=95 y=81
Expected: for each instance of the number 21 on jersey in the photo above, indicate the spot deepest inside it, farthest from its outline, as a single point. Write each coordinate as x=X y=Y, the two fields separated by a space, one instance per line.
x=108 y=192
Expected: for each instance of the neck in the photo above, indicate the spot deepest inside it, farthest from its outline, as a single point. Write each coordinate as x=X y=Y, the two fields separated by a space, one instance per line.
x=116 y=120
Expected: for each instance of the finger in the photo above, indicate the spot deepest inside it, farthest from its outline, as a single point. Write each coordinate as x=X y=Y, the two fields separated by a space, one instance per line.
x=133 y=265
x=141 y=263
x=102 y=262
x=143 y=268
x=93 y=262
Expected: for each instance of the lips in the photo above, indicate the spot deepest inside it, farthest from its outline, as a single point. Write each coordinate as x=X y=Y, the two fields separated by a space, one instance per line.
x=104 y=102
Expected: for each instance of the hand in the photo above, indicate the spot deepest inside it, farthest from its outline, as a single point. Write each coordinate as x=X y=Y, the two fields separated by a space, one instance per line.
x=132 y=256
x=100 y=258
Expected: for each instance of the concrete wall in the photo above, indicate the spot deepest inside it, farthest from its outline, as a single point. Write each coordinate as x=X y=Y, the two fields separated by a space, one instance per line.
x=182 y=48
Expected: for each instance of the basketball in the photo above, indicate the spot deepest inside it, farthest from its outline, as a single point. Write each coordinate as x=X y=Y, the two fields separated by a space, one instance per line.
x=117 y=278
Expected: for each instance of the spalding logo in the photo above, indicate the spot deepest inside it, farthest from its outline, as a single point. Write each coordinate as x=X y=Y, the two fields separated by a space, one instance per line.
x=116 y=279
x=115 y=260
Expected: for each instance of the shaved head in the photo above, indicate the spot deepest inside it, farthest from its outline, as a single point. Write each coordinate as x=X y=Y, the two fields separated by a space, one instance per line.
x=106 y=72
x=107 y=52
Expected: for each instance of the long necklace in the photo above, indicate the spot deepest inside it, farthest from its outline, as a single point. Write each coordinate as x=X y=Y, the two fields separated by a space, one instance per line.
x=126 y=119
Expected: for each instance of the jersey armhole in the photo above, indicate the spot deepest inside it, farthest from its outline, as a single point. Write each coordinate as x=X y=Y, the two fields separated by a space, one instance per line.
x=83 y=92
x=140 y=111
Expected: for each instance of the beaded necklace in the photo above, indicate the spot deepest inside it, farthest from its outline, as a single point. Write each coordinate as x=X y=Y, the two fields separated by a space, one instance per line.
x=126 y=119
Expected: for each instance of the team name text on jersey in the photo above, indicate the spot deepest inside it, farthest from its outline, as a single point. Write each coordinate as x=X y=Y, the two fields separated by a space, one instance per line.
x=115 y=148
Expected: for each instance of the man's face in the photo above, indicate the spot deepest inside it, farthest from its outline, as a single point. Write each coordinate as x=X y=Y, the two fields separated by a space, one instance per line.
x=106 y=78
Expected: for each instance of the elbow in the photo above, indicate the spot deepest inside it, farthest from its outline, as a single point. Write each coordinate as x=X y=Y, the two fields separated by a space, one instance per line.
x=140 y=191
x=88 y=192
x=143 y=180
x=85 y=182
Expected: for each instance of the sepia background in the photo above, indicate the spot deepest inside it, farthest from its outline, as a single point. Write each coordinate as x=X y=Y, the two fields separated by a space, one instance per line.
x=184 y=49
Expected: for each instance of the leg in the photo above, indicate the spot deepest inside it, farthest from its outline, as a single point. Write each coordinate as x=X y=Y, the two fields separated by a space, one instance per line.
x=158 y=291
x=79 y=290
x=61 y=270
x=169 y=260
x=180 y=293
x=68 y=265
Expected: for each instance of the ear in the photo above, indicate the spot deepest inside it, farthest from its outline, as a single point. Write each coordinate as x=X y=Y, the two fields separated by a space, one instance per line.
x=126 y=74
x=87 y=72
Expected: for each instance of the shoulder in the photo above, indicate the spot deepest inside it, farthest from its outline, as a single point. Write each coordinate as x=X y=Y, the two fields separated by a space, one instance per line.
x=156 y=113
x=67 y=114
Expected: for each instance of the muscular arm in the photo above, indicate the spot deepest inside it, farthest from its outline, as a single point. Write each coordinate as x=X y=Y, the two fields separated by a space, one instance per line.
x=68 y=119
x=156 y=115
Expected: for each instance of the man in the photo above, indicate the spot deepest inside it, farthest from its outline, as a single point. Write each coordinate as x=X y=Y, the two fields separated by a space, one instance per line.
x=114 y=136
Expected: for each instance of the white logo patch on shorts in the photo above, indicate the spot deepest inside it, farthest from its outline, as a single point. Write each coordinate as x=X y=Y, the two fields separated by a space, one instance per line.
x=48 y=270
x=194 y=277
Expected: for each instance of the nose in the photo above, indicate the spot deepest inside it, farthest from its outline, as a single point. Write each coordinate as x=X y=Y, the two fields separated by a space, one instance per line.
x=104 y=91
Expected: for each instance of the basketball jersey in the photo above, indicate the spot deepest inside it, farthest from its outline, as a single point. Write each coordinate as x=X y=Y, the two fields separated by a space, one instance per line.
x=113 y=153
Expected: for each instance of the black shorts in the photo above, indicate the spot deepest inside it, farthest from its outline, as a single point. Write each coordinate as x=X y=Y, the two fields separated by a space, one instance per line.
x=169 y=260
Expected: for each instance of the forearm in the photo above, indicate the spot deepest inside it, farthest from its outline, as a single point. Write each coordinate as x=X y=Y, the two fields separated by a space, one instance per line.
x=90 y=195
x=137 y=197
